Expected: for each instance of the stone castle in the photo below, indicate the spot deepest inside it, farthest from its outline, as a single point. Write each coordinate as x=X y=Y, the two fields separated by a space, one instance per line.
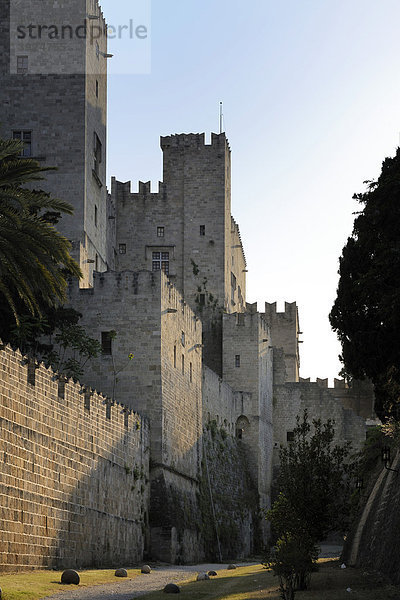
x=214 y=386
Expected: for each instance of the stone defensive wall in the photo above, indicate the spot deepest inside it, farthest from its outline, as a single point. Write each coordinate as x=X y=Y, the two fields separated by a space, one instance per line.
x=291 y=399
x=193 y=140
x=221 y=404
x=74 y=472
x=358 y=396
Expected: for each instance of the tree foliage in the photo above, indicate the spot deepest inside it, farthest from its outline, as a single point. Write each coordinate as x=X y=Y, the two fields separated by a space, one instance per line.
x=35 y=263
x=315 y=487
x=316 y=479
x=366 y=312
x=34 y=257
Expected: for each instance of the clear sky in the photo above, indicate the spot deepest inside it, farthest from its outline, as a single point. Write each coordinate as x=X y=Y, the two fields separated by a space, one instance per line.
x=311 y=94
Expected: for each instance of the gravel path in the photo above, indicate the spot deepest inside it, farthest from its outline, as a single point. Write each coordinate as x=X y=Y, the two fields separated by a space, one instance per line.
x=132 y=588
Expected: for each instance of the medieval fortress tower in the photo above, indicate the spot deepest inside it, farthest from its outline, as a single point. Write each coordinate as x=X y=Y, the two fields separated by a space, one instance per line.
x=197 y=418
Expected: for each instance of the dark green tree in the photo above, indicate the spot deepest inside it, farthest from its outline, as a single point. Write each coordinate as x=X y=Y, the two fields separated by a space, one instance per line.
x=35 y=264
x=315 y=486
x=366 y=312
x=35 y=258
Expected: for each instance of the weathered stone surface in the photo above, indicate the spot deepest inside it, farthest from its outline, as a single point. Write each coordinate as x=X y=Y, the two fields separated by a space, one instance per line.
x=146 y=569
x=203 y=576
x=121 y=573
x=70 y=577
x=61 y=453
x=172 y=588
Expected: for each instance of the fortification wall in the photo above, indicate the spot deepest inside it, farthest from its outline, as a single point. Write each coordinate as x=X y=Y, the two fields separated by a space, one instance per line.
x=238 y=270
x=284 y=329
x=74 y=473
x=247 y=367
x=163 y=381
x=221 y=404
x=226 y=476
x=291 y=399
x=63 y=114
x=373 y=542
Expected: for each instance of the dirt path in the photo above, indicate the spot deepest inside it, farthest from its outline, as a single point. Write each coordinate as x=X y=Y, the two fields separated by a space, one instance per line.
x=132 y=588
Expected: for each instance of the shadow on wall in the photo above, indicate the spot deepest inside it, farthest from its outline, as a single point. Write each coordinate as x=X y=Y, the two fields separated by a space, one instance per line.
x=75 y=482
x=104 y=520
x=74 y=473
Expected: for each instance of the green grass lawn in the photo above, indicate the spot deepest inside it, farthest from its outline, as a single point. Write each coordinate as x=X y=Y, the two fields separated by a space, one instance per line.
x=256 y=583
x=33 y=585
x=244 y=583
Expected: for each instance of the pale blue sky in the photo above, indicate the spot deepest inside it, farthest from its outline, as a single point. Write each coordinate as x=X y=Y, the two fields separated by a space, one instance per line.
x=312 y=106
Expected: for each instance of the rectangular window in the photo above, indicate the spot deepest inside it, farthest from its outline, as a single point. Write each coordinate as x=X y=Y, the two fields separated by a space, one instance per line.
x=233 y=287
x=237 y=360
x=95 y=215
x=183 y=364
x=26 y=138
x=202 y=230
x=96 y=263
x=22 y=65
x=191 y=373
x=97 y=154
x=161 y=262
x=106 y=343
x=183 y=338
x=97 y=89
x=202 y=299
x=290 y=436
x=122 y=248
x=160 y=231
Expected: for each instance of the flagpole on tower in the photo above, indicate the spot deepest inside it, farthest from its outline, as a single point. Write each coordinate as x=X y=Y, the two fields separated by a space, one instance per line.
x=221 y=117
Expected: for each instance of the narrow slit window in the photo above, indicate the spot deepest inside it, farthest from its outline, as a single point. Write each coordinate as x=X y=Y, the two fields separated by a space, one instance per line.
x=237 y=360
x=106 y=343
x=202 y=230
x=98 y=154
x=183 y=364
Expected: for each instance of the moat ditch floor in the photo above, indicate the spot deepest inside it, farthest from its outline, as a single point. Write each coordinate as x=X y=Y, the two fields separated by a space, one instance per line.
x=156 y=580
x=133 y=588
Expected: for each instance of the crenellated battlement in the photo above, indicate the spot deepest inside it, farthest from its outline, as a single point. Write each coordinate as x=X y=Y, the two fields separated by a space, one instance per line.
x=123 y=190
x=249 y=319
x=193 y=140
x=338 y=384
x=94 y=8
x=290 y=311
x=235 y=230
x=74 y=394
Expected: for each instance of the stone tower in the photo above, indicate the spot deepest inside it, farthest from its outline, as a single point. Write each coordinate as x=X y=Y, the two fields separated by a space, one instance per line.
x=186 y=230
x=53 y=94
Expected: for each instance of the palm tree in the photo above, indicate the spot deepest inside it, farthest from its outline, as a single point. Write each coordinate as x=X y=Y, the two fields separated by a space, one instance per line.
x=35 y=258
